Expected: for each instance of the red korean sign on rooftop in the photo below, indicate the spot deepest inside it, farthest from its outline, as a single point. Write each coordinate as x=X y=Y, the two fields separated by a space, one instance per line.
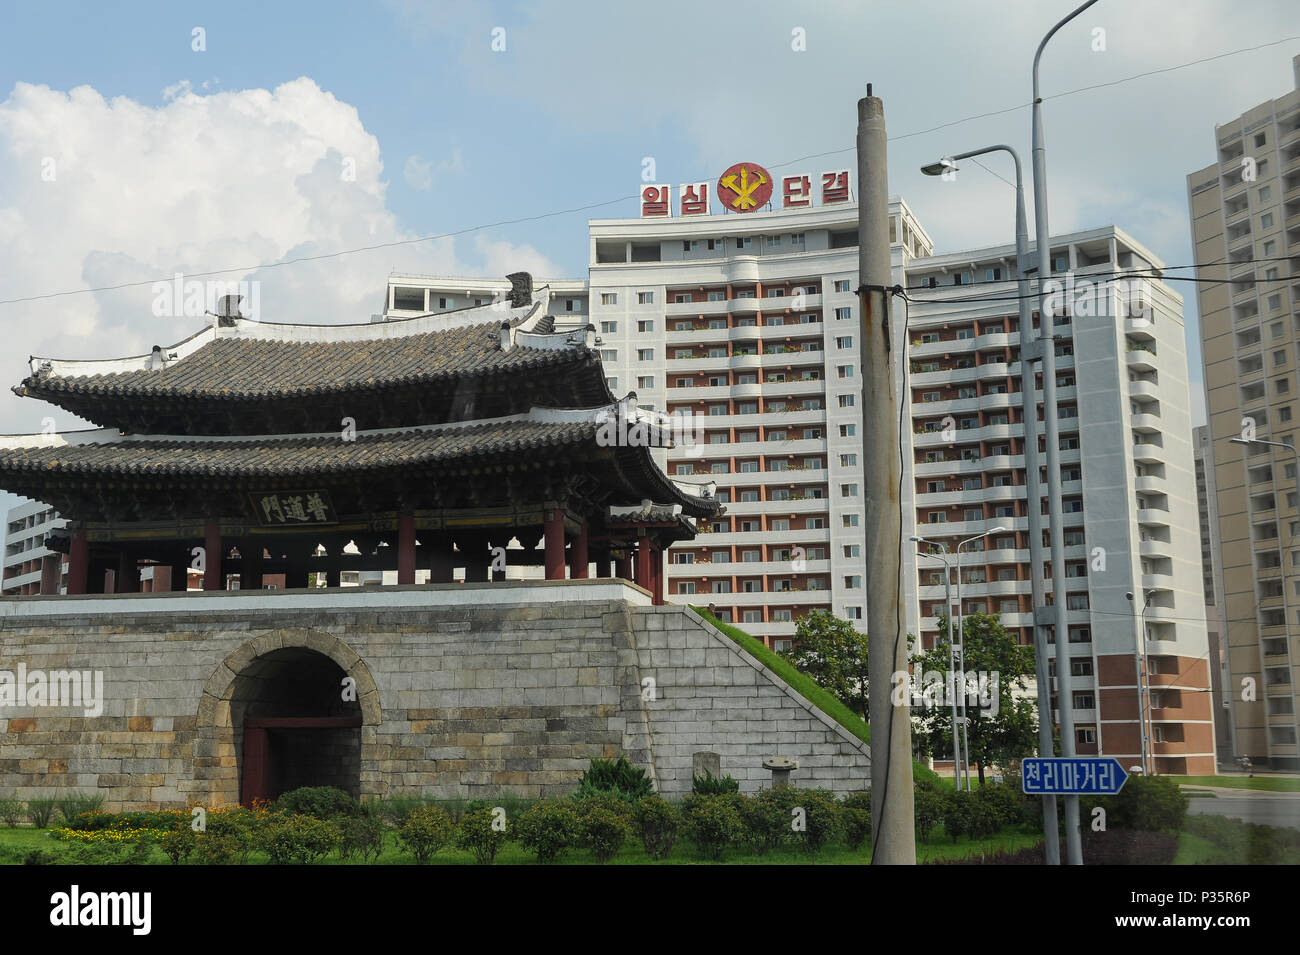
x=745 y=187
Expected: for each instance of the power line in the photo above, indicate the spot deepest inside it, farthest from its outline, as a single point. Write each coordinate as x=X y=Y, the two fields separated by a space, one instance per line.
x=597 y=205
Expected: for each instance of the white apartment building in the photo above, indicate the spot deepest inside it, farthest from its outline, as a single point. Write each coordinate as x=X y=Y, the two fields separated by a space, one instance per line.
x=1245 y=219
x=26 y=527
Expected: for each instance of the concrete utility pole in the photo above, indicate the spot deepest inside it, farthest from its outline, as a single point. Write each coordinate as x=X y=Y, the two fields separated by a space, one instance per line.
x=893 y=837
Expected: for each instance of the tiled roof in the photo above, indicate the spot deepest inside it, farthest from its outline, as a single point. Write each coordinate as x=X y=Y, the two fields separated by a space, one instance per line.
x=31 y=461
x=250 y=368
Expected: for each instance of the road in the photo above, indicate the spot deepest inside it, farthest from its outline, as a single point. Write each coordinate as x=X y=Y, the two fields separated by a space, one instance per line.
x=1270 y=809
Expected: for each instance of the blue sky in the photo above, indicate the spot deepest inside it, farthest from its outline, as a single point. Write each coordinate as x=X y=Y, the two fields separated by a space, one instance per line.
x=171 y=159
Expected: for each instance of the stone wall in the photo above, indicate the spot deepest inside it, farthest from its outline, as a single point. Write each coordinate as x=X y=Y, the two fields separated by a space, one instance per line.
x=463 y=692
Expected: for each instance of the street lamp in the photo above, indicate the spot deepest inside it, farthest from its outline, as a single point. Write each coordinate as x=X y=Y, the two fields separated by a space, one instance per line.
x=952 y=657
x=1047 y=346
x=1143 y=682
x=961 y=654
x=1033 y=483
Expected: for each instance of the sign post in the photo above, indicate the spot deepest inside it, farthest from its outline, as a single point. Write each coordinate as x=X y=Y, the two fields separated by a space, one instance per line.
x=1072 y=776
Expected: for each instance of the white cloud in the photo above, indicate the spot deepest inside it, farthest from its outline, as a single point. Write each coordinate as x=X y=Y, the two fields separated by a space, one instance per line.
x=418 y=174
x=201 y=182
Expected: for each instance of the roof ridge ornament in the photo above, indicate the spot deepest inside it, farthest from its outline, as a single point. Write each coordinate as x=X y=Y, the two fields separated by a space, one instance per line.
x=521 y=289
x=507 y=336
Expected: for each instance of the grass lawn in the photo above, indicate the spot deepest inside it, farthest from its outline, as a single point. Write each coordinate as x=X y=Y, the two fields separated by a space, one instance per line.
x=1272 y=784
x=684 y=853
x=1194 y=850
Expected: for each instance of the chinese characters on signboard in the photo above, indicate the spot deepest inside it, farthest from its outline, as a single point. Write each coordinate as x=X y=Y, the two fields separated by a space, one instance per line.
x=747 y=187
x=292 y=508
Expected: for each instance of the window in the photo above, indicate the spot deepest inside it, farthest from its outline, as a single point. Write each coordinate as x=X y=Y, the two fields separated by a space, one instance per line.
x=852 y=581
x=608 y=298
x=721 y=586
x=779 y=524
x=645 y=298
x=751 y=556
x=717 y=296
x=717 y=411
x=852 y=550
x=992 y=275
x=852 y=613
x=1085 y=735
x=683 y=557
x=844 y=341
x=844 y=371
x=690 y=245
x=648 y=326
x=646 y=381
x=796 y=238
x=645 y=354
x=846 y=401
x=609 y=354
x=686 y=586
x=1266 y=220
x=782 y=616
x=608 y=328
x=849 y=520
x=848 y=490
x=841 y=285
x=848 y=430
x=1084 y=701
x=843 y=313
x=848 y=460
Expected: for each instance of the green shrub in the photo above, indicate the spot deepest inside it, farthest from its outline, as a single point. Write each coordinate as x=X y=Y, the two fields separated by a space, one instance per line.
x=710 y=785
x=958 y=818
x=424 y=831
x=658 y=822
x=481 y=834
x=213 y=849
x=712 y=823
x=547 y=829
x=1005 y=803
x=1245 y=843
x=12 y=811
x=395 y=809
x=928 y=811
x=617 y=777
x=178 y=844
x=292 y=838
x=1145 y=804
x=39 y=811
x=73 y=804
x=857 y=819
x=623 y=808
x=94 y=820
x=823 y=822
x=362 y=834
x=603 y=832
x=319 y=802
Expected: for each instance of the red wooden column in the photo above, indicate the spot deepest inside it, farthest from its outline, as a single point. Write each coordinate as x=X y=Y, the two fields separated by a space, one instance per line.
x=657 y=573
x=212 y=576
x=406 y=548
x=578 y=555
x=643 y=578
x=78 y=563
x=51 y=571
x=255 y=766
x=554 y=544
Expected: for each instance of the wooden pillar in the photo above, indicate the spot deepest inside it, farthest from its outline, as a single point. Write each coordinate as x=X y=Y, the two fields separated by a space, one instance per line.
x=250 y=564
x=78 y=563
x=255 y=766
x=127 y=577
x=554 y=537
x=406 y=548
x=578 y=554
x=51 y=574
x=213 y=579
x=643 y=564
x=657 y=573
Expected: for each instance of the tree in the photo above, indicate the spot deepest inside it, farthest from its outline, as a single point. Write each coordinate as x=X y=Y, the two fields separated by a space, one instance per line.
x=995 y=737
x=834 y=654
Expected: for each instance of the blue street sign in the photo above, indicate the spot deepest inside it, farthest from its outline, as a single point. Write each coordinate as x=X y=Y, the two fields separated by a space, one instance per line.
x=1073 y=776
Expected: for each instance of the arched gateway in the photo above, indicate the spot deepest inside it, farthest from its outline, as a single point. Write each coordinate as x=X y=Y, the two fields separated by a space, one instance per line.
x=287 y=709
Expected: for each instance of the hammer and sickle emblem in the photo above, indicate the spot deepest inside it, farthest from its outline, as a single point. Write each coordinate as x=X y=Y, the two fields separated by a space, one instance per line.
x=745 y=190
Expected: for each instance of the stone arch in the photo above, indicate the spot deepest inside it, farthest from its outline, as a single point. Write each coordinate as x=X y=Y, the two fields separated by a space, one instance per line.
x=216 y=769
